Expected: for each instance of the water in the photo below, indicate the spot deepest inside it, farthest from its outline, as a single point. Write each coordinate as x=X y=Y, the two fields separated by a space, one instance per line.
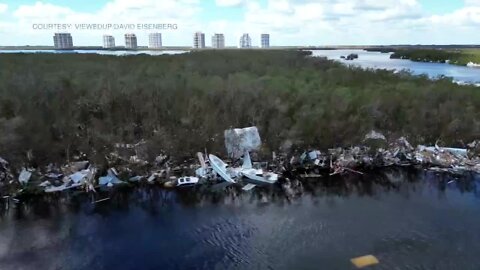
x=408 y=220
x=377 y=60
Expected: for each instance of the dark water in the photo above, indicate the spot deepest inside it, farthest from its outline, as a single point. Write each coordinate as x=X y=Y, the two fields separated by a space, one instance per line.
x=408 y=220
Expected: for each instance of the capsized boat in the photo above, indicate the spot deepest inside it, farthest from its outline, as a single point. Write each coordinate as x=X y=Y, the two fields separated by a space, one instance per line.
x=220 y=168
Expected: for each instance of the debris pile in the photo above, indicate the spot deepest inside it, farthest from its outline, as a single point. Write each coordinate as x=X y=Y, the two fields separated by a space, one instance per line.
x=128 y=164
x=75 y=174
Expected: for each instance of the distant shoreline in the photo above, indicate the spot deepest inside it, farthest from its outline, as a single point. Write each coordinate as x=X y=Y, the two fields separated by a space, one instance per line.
x=333 y=47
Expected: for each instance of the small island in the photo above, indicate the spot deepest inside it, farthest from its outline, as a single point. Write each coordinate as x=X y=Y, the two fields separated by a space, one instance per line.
x=461 y=57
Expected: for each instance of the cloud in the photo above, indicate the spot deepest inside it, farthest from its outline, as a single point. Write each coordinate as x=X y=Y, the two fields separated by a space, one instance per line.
x=472 y=2
x=467 y=17
x=229 y=3
x=290 y=22
x=180 y=12
x=3 y=8
x=42 y=11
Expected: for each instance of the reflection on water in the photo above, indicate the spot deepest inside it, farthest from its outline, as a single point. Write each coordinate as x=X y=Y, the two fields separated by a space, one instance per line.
x=377 y=60
x=407 y=219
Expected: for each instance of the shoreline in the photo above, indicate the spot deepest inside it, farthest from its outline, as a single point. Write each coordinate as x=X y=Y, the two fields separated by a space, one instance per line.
x=293 y=170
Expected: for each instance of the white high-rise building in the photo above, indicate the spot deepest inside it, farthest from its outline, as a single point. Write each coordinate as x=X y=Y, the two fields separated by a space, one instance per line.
x=63 y=41
x=130 y=41
x=265 y=40
x=155 y=40
x=108 y=41
x=199 y=40
x=218 y=41
x=245 y=41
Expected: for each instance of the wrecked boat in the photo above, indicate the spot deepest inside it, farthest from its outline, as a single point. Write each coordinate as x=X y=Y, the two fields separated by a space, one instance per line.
x=220 y=168
x=187 y=181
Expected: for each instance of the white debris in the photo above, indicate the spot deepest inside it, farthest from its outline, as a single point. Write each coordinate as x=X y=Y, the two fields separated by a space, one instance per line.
x=373 y=135
x=79 y=177
x=61 y=188
x=201 y=172
x=24 y=176
x=239 y=140
x=45 y=184
x=248 y=187
x=111 y=178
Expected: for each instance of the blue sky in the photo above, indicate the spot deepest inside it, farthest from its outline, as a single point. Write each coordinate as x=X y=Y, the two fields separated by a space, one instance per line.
x=290 y=22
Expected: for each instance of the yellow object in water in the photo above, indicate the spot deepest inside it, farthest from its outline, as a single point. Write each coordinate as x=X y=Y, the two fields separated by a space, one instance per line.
x=364 y=261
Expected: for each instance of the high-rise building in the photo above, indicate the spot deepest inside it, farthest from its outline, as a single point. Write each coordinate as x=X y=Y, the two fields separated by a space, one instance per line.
x=130 y=41
x=265 y=40
x=245 y=41
x=199 y=40
x=218 y=41
x=63 y=41
x=155 y=40
x=108 y=41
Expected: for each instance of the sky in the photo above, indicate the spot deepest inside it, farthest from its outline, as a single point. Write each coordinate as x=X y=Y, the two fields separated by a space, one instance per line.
x=289 y=22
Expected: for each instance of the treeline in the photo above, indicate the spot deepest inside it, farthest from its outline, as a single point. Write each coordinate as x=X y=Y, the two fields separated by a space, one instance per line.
x=456 y=57
x=55 y=106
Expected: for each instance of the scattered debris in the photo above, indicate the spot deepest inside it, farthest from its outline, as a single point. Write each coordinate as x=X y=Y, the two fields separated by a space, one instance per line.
x=137 y=178
x=5 y=173
x=84 y=178
x=75 y=167
x=111 y=178
x=284 y=170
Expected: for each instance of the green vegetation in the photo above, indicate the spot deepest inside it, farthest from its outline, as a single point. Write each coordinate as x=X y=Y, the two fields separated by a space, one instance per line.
x=56 y=106
x=456 y=57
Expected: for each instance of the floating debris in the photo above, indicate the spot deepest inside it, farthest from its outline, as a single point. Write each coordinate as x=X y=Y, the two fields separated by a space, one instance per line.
x=101 y=200
x=364 y=261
